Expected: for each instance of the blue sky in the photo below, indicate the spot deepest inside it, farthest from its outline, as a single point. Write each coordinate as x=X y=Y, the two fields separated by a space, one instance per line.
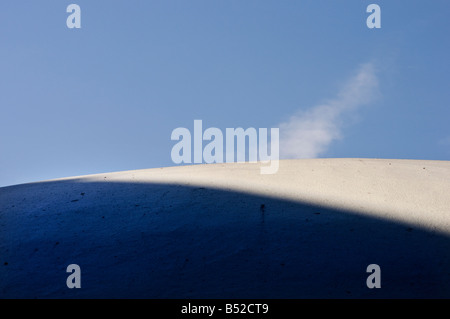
x=106 y=97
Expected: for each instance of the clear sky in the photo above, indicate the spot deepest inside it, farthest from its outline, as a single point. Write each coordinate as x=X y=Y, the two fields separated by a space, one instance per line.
x=107 y=96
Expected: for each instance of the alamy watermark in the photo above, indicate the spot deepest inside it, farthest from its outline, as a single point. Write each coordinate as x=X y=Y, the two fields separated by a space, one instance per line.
x=213 y=152
x=374 y=279
x=74 y=19
x=74 y=279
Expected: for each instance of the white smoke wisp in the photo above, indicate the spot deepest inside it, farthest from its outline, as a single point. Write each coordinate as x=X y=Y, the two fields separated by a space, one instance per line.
x=308 y=134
